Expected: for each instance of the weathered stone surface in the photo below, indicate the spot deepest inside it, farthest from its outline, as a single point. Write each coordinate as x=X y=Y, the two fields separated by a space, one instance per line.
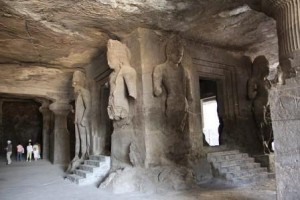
x=285 y=122
x=157 y=179
x=76 y=32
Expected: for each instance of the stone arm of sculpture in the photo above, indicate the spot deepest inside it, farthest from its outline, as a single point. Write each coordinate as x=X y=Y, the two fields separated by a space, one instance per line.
x=130 y=80
x=189 y=93
x=252 y=88
x=86 y=97
x=157 y=80
x=279 y=77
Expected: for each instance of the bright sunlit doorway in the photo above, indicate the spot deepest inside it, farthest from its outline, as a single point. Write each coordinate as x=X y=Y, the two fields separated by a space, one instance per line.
x=210 y=117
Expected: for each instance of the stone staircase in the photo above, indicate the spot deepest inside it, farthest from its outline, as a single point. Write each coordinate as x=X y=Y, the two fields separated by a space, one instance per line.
x=237 y=168
x=92 y=171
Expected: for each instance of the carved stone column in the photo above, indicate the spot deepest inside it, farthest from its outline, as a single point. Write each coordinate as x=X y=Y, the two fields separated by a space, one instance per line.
x=287 y=15
x=47 y=117
x=61 y=136
x=285 y=99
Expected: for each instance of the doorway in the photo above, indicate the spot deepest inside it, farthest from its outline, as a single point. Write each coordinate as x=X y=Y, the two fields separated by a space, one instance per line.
x=106 y=123
x=21 y=122
x=211 y=123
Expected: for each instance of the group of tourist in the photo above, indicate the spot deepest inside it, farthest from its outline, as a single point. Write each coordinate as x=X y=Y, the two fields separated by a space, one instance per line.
x=30 y=150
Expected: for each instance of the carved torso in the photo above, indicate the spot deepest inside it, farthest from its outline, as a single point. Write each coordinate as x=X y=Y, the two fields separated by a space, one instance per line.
x=120 y=82
x=79 y=108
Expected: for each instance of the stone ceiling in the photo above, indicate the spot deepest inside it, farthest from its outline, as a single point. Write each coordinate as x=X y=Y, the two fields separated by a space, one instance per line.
x=71 y=33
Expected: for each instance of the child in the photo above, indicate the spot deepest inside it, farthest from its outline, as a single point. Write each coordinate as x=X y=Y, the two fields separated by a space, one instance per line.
x=8 y=152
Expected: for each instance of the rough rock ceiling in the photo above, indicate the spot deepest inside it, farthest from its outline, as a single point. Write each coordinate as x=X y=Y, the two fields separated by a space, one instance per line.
x=70 y=33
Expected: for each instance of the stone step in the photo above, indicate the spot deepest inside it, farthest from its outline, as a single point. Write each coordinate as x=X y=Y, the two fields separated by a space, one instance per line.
x=241 y=173
x=272 y=175
x=89 y=168
x=83 y=173
x=228 y=157
x=233 y=162
x=250 y=179
x=222 y=153
x=242 y=166
x=98 y=157
x=95 y=163
x=92 y=171
x=75 y=179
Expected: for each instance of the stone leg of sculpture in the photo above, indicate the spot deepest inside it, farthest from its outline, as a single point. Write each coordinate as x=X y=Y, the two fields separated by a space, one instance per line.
x=268 y=136
x=176 y=120
x=259 y=114
x=76 y=161
x=264 y=139
x=83 y=139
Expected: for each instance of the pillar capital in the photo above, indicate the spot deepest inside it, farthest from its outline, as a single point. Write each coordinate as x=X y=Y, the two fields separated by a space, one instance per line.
x=272 y=7
x=60 y=108
x=44 y=108
x=286 y=13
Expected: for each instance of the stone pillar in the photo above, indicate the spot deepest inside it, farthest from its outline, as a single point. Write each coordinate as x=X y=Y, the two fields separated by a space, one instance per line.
x=61 y=137
x=285 y=99
x=47 y=115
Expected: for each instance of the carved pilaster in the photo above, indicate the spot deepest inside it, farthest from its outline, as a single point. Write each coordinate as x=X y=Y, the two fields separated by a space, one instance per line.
x=61 y=137
x=47 y=117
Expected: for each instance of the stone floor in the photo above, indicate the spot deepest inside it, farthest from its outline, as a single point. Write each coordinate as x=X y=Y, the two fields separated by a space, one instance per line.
x=43 y=181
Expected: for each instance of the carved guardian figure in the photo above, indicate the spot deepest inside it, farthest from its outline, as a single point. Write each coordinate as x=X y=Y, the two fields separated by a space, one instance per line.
x=258 y=91
x=176 y=81
x=121 y=81
x=82 y=120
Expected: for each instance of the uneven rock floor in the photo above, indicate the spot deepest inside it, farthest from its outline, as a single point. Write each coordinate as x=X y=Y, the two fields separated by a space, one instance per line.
x=41 y=180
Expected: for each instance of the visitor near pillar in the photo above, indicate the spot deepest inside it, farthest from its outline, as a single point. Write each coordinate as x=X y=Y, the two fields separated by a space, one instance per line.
x=8 y=152
x=36 y=152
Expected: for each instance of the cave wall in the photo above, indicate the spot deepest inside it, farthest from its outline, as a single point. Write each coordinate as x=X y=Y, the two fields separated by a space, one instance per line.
x=36 y=81
x=21 y=121
x=230 y=70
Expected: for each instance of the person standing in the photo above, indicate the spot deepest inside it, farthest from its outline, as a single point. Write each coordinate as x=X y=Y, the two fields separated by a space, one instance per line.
x=29 y=152
x=8 y=152
x=20 y=151
x=36 y=152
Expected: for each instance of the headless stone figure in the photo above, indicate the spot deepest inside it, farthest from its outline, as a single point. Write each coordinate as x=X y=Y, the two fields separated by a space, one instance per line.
x=82 y=120
x=258 y=91
x=176 y=81
x=121 y=81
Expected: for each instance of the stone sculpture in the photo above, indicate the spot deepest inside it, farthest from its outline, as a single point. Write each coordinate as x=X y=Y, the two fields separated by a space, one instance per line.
x=82 y=120
x=176 y=81
x=122 y=80
x=258 y=91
